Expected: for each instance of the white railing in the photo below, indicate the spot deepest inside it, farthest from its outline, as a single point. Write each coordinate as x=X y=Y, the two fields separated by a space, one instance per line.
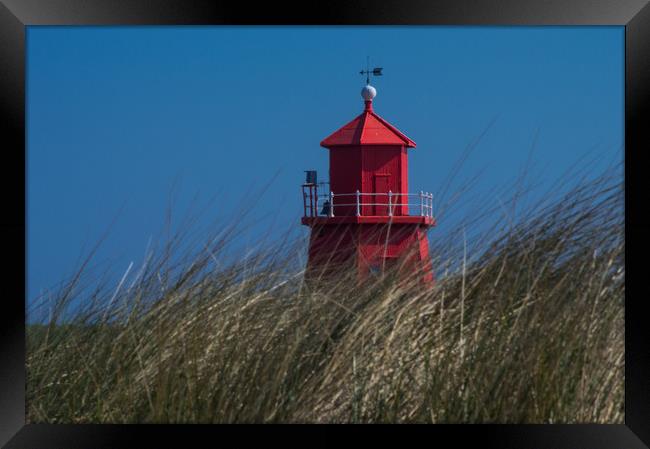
x=327 y=204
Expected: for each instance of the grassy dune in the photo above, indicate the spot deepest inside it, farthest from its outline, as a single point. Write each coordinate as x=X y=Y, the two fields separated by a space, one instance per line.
x=524 y=325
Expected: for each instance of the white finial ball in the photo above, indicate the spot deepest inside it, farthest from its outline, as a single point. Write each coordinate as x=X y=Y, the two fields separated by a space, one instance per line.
x=368 y=92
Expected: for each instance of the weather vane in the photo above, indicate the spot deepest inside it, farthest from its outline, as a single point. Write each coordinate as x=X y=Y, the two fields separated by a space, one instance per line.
x=374 y=72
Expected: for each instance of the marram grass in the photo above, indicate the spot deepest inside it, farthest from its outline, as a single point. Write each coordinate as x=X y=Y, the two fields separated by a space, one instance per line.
x=526 y=326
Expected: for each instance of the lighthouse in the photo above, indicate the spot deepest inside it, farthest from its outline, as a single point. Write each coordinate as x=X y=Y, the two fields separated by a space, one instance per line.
x=367 y=220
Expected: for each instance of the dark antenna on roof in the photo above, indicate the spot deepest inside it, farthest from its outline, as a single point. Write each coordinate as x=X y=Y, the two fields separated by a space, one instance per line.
x=374 y=72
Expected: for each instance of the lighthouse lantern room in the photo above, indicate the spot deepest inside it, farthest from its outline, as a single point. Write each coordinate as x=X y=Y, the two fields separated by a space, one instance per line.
x=367 y=220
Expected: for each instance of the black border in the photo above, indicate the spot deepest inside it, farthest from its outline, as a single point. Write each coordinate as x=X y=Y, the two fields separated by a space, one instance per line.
x=16 y=14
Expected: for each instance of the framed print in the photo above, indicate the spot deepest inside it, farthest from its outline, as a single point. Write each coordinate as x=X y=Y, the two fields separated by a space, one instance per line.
x=431 y=214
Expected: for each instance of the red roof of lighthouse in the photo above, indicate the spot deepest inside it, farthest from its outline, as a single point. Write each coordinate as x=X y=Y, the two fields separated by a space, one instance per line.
x=367 y=129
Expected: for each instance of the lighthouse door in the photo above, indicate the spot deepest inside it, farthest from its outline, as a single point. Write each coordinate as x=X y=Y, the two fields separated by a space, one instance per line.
x=381 y=188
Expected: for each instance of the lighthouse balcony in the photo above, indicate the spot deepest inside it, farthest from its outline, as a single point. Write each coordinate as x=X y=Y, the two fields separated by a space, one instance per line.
x=360 y=207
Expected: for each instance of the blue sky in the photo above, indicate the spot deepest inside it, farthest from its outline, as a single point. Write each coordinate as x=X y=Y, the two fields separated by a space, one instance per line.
x=120 y=118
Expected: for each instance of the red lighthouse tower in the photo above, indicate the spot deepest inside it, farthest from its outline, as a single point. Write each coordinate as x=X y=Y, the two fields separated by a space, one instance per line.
x=367 y=221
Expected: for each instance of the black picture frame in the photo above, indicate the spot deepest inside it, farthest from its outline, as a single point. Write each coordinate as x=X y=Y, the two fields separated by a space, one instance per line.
x=15 y=15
